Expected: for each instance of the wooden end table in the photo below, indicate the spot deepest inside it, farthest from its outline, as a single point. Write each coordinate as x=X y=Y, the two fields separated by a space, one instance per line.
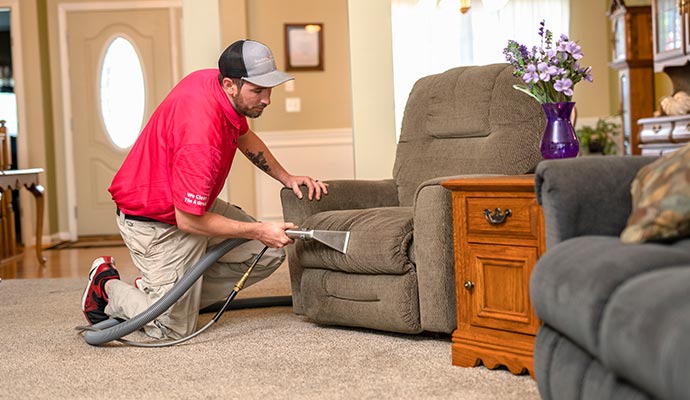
x=498 y=237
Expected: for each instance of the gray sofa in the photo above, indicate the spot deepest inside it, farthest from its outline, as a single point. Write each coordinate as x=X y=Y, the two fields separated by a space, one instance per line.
x=616 y=317
x=398 y=273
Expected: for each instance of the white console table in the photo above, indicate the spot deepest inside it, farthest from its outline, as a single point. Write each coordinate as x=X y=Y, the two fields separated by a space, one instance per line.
x=28 y=178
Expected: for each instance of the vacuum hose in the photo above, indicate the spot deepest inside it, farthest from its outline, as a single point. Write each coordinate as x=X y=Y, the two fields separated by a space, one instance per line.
x=113 y=329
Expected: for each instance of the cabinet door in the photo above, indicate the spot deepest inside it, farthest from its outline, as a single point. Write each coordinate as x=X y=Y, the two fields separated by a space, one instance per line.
x=499 y=287
x=668 y=26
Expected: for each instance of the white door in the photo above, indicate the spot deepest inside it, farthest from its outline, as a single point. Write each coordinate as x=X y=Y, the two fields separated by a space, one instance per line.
x=153 y=34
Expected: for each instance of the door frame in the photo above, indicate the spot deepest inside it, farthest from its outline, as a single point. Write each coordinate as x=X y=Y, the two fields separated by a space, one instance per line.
x=66 y=98
x=22 y=146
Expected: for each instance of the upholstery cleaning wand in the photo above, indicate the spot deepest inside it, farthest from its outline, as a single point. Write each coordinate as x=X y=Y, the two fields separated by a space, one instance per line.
x=336 y=240
x=114 y=329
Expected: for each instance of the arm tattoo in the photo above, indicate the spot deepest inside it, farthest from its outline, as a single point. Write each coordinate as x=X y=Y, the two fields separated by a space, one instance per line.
x=259 y=160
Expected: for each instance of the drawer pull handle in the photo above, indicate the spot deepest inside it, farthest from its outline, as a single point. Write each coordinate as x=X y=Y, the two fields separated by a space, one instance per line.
x=469 y=285
x=497 y=217
x=656 y=129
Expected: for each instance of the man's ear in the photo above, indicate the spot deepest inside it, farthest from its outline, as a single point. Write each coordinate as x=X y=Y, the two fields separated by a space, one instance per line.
x=229 y=86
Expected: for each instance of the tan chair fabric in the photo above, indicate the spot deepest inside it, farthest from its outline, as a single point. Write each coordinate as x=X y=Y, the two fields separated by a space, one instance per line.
x=398 y=274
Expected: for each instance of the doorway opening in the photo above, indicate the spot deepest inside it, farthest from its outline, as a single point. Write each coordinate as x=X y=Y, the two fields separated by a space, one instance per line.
x=8 y=106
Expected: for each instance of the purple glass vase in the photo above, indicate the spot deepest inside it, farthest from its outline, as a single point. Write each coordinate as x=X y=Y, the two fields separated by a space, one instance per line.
x=559 y=139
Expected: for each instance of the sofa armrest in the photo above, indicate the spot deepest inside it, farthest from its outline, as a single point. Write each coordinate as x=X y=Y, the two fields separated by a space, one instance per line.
x=586 y=195
x=342 y=195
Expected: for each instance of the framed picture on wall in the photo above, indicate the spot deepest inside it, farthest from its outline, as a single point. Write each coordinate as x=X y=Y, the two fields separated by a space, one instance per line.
x=304 y=47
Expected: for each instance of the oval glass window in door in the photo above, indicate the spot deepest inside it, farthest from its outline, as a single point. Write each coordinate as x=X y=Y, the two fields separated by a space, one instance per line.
x=122 y=92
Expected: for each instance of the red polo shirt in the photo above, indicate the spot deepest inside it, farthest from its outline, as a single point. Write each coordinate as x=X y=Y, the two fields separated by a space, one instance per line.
x=183 y=156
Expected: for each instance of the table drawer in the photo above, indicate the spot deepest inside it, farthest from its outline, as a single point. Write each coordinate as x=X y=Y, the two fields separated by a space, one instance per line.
x=681 y=131
x=502 y=216
x=656 y=132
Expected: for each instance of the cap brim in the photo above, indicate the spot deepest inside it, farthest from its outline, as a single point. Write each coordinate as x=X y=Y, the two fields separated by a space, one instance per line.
x=269 y=80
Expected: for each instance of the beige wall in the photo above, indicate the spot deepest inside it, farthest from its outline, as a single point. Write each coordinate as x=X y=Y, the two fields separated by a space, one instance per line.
x=590 y=28
x=372 y=88
x=201 y=41
x=325 y=95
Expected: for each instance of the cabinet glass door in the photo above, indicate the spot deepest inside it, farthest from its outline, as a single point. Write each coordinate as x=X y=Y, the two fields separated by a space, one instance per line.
x=686 y=18
x=619 y=38
x=669 y=29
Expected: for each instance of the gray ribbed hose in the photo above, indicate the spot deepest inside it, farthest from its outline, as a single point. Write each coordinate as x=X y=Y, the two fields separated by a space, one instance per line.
x=112 y=329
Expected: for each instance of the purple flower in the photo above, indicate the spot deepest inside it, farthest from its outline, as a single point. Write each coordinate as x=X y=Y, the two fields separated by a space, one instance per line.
x=530 y=74
x=564 y=85
x=588 y=74
x=546 y=71
x=572 y=48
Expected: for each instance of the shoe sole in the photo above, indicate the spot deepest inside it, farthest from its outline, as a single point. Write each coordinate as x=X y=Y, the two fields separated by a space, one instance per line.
x=94 y=266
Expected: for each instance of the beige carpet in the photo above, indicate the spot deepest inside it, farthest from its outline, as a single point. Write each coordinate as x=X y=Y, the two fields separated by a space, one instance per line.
x=267 y=353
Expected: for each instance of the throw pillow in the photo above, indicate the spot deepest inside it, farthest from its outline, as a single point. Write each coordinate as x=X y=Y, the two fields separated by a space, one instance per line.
x=660 y=200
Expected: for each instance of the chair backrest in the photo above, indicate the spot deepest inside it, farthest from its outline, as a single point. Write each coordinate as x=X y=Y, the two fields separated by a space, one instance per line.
x=467 y=120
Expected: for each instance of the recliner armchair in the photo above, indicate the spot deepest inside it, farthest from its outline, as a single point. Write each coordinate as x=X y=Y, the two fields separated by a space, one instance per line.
x=398 y=273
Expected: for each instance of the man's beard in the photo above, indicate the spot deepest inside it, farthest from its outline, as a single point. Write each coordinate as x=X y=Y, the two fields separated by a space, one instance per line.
x=242 y=108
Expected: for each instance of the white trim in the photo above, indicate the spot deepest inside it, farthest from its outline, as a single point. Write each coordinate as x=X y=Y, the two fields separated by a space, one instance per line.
x=63 y=9
x=120 y=5
x=314 y=137
x=175 y=55
x=57 y=237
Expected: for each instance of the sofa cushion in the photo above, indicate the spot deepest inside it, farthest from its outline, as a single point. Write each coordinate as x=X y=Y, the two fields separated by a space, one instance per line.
x=573 y=282
x=380 y=240
x=565 y=371
x=644 y=332
x=661 y=200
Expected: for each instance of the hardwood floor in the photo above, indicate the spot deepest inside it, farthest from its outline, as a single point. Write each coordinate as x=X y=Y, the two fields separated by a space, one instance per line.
x=64 y=263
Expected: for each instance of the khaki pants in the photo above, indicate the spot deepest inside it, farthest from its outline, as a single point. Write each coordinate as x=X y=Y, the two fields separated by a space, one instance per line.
x=163 y=253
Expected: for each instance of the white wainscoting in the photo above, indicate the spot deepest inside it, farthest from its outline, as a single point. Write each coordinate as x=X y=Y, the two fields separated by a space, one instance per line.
x=324 y=154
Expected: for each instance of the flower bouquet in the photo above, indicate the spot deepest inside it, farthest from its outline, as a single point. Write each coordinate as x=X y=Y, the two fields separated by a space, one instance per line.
x=550 y=73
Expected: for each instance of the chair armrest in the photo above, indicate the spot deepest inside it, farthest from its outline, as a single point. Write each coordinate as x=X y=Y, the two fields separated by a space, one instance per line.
x=586 y=195
x=434 y=256
x=342 y=195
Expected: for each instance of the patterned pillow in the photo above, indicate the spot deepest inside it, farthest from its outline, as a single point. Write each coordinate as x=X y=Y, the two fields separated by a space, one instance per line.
x=660 y=200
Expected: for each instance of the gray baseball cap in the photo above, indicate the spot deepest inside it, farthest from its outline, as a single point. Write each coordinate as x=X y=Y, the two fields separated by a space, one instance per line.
x=253 y=62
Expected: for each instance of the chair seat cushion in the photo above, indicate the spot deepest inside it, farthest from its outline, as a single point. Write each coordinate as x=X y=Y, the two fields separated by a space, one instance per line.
x=380 y=241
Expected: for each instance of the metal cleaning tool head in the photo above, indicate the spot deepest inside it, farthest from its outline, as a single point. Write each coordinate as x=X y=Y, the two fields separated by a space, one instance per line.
x=336 y=240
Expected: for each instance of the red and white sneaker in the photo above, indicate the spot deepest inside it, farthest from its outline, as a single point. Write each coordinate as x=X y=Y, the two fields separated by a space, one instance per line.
x=95 y=299
x=137 y=283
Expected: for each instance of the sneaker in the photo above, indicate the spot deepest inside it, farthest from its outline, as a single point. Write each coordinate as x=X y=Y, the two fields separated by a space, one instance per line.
x=137 y=283
x=95 y=299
